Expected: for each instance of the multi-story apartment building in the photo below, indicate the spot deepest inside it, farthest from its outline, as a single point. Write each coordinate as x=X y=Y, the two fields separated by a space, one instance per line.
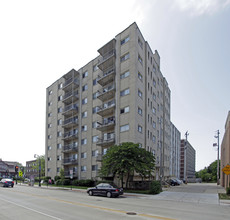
x=187 y=162
x=30 y=170
x=225 y=154
x=175 y=152
x=120 y=96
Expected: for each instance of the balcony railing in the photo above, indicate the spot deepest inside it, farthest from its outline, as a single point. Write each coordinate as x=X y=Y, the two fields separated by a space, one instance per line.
x=68 y=173
x=70 y=94
x=106 y=92
x=73 y=147
x=70 y=121
x=70 y=134
x=71 y=107
x=106 y=108
x=106 y=124
x=70 y=81
x=107 y=76
x=68 y=161
x=106 y=140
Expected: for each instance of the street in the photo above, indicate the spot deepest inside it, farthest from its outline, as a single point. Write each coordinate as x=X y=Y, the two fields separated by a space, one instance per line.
x=195 y=201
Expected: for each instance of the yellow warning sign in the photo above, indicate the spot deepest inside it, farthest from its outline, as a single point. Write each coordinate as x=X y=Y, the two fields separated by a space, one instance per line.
x=226 y=169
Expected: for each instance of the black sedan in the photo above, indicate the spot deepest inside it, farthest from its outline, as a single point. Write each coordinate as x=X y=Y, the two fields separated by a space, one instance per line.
x=105 y=189
x=7 y=183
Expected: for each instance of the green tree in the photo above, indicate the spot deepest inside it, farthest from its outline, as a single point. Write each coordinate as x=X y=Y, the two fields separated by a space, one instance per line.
x=42 y=160
x=125 y=159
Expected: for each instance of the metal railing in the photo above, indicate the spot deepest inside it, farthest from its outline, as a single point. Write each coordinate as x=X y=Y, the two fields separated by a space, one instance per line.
x=106 y=105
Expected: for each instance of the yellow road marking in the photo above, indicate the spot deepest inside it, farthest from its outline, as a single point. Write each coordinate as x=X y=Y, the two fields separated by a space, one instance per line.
x=94 y=206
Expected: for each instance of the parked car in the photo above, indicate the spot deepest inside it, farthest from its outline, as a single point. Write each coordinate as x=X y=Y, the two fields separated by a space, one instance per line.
x=174 y=182
x=7 y=182
x=105 y=189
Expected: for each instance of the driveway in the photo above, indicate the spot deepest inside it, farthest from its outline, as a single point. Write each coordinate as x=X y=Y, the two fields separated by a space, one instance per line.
x=206 y=193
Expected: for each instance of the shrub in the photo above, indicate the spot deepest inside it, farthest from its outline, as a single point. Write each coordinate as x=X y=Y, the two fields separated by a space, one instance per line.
x=66 y=182
x=87 y=183
x=59 y=182
x=155 y=187
x=228 y=191
x=57 y=178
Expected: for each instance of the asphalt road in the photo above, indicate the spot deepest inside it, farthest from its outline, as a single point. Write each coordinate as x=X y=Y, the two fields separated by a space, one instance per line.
x=23 y=202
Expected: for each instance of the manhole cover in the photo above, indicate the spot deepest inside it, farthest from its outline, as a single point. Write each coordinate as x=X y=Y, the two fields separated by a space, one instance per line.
x=131 y=213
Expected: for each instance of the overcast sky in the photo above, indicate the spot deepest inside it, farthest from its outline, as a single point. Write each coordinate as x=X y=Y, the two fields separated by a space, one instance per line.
x=42 y=40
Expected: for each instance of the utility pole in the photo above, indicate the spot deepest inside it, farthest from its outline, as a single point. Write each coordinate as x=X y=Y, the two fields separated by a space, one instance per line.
x=218 y=163
x=161 y=159
x=185 y=156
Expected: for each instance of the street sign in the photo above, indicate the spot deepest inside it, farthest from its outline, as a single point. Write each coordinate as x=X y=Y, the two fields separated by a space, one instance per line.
x=226 y=169
x=20 y=173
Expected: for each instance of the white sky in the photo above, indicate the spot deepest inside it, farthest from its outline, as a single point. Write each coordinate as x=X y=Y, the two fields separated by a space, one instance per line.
x=42 y=40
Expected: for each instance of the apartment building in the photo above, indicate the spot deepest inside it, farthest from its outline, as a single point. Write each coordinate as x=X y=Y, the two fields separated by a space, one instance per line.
x=120 y=96
x=225 y=154
x=30 y=170
x=187 y=162
x=175 y=152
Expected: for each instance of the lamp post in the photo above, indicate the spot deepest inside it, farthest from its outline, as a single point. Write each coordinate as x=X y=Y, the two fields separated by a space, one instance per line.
x=39 y=171
x=185 y=156
x=217 y=144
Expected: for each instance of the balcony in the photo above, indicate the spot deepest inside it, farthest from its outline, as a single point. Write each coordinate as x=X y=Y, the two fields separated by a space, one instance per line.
x=70 y=97
x=107 y=61
x=68 y=173
x=99 y=157
x=106 y=124
x=70 y=135
x=107 y=47
x=69 y=161
x=70 y=148
x=108 y=139
x=107 y=76
x=106 y=108
x=70 y=122
x=70 y=83
x=106 y=93
x=70 y=110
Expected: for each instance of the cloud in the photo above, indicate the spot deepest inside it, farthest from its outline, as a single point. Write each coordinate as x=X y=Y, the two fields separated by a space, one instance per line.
x=201 y=7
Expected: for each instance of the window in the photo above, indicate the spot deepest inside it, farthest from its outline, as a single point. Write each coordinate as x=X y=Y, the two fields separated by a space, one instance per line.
x=140 y=59
x=94 y=153
x=48 y=169
x=124 y=128
x=154 y=69
x=154 y=110
x=94 y=124
x=83 y=168
x=154 y=83
x=84 y=128
x=84 y=101
x=95 y=95
x=49 y=114
x=95 y=68
x=125 y=57
x=60 y=86
x=124 y=40
x=95 y=109
x=140 y=76
x=58 y=157
x=84 y=88
x=124 y=75
x=95 y=81
x=59 y=146
x=60 y=98
x=154 y=96
x=139 y=111
x=50 y=103
x=154 y=124
x=85 y=74
x=60 y=110
x=83 y=155
x=50 y=92
x=124 y=110
x=59 y=122
x=83 y=141
x=94 y=167
x=84 y=114
x=49 y=158
x=59 y=133
x=154 y=139
x=139 y=93
x=49 y=147
x=140 y=42
x=49 y=125
x=124 y=92
x=49 y=136
x=58 y=169
x=139 y=129
x=94 y=139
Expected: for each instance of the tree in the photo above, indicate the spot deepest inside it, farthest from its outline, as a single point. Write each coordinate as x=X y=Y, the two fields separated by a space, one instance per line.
x=125 y=159
x=42 y=160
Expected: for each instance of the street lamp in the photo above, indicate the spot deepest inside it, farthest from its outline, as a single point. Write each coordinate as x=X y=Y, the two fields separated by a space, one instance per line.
x=185 y=157
x=39 y=171
x=214 y=145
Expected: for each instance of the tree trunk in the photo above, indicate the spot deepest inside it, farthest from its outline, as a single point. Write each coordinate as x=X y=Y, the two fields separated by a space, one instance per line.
x=127 y=181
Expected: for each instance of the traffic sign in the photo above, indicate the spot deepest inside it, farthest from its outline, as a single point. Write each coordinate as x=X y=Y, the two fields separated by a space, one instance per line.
x=20 y=173
x=226 y=169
